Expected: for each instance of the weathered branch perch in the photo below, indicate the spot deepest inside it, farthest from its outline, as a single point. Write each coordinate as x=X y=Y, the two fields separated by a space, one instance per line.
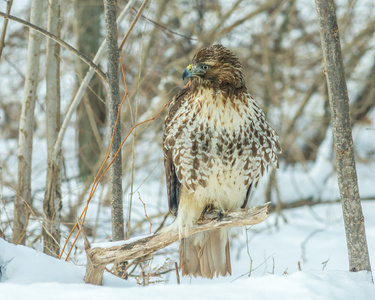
x=98 y=258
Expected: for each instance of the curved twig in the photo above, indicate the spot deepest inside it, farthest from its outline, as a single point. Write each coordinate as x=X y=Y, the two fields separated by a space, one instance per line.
x=163 y=27
x=143 y=6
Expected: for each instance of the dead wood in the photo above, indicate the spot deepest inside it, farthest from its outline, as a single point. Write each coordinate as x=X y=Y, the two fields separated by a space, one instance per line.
x=98 y=258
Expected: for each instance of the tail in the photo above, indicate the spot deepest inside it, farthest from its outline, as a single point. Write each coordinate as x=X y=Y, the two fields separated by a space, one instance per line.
x=206 y=254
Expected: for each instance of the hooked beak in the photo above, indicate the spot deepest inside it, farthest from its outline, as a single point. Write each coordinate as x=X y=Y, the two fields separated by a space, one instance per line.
x=187 y=72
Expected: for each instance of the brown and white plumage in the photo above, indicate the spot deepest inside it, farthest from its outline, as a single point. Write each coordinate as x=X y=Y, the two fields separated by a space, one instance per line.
x=217 y=144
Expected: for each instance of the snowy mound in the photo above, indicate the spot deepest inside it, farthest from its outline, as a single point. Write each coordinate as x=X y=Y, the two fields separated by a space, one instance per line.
x=28 y=274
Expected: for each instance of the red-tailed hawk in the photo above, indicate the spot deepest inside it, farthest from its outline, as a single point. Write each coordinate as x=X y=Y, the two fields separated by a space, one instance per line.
x=217 y=144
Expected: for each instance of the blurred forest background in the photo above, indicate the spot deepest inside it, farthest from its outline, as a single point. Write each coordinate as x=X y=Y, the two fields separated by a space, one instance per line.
x=278 y=44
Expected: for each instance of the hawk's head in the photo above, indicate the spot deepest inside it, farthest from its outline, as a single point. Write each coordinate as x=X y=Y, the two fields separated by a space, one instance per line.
x=215 y=66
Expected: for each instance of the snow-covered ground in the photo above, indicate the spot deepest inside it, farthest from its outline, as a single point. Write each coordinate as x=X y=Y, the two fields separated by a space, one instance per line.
x=313 y=238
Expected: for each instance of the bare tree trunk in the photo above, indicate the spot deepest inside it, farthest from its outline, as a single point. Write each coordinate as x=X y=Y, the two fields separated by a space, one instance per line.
x=342 y=134
x=117 y=214
x=25 y=139
x=52 y=197
x=113 y=106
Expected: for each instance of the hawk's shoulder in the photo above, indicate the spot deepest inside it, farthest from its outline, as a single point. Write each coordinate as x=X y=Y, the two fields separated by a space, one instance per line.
x=176 y=103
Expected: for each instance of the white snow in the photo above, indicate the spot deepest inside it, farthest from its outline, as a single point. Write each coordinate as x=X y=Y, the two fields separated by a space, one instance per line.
x=117 y=243
x=313 y=237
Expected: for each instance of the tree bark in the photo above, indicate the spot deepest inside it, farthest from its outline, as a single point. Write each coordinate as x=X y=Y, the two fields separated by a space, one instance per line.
x=342 y=134
x=25 y=139
x=112 y=108
x=52 y=198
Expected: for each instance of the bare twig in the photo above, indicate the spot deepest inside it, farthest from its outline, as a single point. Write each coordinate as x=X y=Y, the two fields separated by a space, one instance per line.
x=149 y=270
x=5 y=25
x=177 y=273
x=85 y=239
x=141 y=9
x=165 y=28
x=248 y=253
x=303 y=244
x=144 y=207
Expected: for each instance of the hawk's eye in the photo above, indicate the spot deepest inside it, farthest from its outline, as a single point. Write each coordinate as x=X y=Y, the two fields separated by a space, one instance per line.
x=205 y=67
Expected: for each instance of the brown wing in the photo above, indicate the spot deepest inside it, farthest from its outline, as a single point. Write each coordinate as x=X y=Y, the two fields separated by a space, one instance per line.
x=264 y=146
x=173 y=184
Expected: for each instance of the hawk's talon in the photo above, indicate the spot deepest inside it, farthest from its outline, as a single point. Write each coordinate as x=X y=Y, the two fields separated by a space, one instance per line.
x=220 y=215
x=207 y=209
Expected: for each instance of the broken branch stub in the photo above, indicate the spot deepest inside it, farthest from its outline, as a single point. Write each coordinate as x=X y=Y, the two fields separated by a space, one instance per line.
x=98 y=258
